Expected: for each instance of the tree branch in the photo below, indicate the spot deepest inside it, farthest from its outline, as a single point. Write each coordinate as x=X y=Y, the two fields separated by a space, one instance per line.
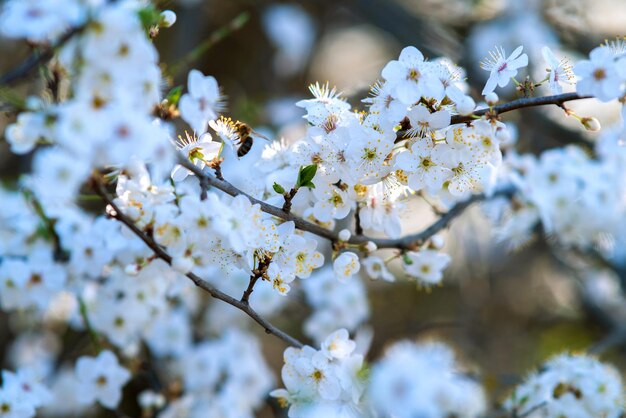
x=39 y=57
x=403 y=243
x=558 y=100
x=98 y=187
x=36 y=58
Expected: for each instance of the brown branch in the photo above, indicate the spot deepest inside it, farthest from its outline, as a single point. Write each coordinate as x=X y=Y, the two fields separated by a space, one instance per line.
x=40 y=57
x=97 y=185
x=404 y=243
x=37 y=58
x=259 y=273
x=358 y=229
x=288 y=196
x=557 y=100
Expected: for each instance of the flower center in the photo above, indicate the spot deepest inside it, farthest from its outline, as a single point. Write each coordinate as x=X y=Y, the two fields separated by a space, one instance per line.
x=101 y=381
x=317 y=375
x=599 y=74
x=414 y=74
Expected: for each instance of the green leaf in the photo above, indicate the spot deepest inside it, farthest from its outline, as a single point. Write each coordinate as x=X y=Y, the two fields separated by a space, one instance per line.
x=305 y=175
x=278 y=188
x=173 y=96
x=149 y=16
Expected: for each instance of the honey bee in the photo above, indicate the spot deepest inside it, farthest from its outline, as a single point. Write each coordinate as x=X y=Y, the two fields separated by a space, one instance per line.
x=244 y=138
x=238 y=133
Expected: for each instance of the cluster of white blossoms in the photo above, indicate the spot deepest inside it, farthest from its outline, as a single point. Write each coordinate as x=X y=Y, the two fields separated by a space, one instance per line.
x=64 y=270
x=227 y=377
x=573 y=195
x=563 y=190
x=569 y=386
x=328 y=382
x=107 y=119
x=410 y=380
x=423 y=380
x=22 y=393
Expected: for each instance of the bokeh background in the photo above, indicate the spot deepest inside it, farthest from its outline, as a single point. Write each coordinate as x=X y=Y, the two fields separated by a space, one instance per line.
x=506 y=311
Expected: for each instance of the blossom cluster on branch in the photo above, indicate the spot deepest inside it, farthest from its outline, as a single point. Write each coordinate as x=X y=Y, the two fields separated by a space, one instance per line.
x=218 y=210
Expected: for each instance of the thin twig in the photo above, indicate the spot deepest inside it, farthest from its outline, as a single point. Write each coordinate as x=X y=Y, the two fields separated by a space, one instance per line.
x=36 y=58
x=40 y=57
x=358 y=228
x=258 y=273
x=614 y=339
x=521 y=103
x=99 y=188
x=288 y=196
x=557 y=100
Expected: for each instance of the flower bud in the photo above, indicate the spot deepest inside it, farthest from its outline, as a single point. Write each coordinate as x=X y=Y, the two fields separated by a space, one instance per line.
x=436 y=241
x=466 y=106
x=167 y=19
x=132 y=269
x=591 y=124
x=344 y=235
x=491 y=98
x=370 y=246
x=151 y=400
x=131 y=350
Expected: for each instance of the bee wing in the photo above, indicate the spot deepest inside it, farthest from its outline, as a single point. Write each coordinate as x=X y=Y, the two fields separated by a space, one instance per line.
x=256 y=134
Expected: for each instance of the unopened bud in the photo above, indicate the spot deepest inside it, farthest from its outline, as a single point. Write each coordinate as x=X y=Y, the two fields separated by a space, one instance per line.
x=167 y=19
x=132 y=269
x=591 y=124
x=491 y=98
x=344 y=235
x=370 y=246
x=436 y=242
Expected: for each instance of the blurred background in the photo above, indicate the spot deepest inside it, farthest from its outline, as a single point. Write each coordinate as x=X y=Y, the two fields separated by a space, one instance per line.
x=505 y=311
